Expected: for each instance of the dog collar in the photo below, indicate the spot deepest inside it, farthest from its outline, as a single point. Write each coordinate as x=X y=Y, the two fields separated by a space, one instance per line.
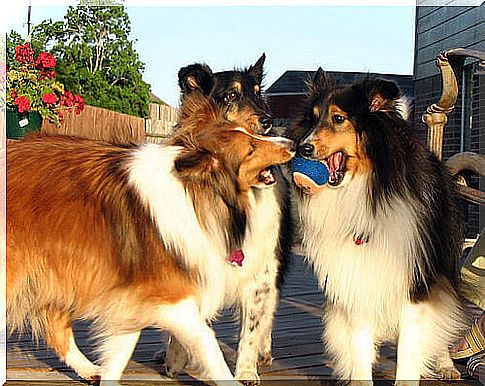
x=360 y=240
x=236 y=258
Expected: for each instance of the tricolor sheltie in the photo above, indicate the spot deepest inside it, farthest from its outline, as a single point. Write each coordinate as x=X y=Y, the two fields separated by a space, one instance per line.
x=238 y=93
x=383 y=235
x=140 y=236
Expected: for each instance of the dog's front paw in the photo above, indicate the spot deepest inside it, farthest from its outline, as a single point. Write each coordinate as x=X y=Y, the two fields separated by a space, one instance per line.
x=265 y=359
x=91 y=373
x=175 y=362
x=176 y=358
x=449 y=372
x=172 y=368
x=248 y=377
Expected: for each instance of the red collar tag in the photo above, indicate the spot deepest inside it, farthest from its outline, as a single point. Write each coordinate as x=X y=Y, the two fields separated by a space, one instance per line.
x=360 y=240
x=237 y=258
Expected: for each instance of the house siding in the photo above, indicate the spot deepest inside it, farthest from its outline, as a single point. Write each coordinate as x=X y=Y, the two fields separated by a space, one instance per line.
x=439 y=29
x=285 y=108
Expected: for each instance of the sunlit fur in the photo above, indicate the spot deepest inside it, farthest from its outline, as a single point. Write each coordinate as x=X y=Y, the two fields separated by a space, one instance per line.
x=125 y=237
x=401 y=283
x=238 y=93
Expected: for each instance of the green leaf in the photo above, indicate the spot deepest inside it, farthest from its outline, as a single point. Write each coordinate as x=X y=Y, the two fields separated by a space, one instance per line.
x=95 y=56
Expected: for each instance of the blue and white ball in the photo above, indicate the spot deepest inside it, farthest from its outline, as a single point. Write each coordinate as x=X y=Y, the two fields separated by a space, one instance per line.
x=309 y=175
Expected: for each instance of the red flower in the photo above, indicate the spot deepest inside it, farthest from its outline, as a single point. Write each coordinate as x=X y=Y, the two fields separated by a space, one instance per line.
x=49 y=98
x=79 y=101
x=45 y=60
x=23 y=103
x=67 y=99
x=47 y=74
x=24 y=54
x=13 y=94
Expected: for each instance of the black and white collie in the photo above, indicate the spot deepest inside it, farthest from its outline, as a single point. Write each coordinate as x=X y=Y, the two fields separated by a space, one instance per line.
x=140 y=236
x=383 y=235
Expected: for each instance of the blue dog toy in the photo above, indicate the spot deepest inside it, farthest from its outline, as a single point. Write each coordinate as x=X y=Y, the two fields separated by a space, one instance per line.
x=309 y=175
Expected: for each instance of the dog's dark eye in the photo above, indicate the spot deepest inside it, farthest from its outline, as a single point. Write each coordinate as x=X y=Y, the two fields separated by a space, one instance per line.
x=231 y=96
x=338 y=118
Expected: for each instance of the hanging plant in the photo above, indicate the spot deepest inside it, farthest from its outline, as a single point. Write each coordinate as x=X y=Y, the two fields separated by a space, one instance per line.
x=32 y=86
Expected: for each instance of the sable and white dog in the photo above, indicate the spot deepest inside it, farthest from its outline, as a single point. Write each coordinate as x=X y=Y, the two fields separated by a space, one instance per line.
x=384 y=235
x=141 y=236
x=238 y=94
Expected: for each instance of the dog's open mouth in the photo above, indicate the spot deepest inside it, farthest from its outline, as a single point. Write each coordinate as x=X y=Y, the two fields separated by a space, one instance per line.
x=267 y=176
x=336 y=168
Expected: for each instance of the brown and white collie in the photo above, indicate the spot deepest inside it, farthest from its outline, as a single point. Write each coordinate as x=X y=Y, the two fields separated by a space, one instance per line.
x=139 y=236
x=384 y=235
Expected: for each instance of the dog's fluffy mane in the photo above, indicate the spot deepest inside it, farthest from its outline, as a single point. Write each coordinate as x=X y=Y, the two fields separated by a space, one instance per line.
x=401 y=168
x=198 y=111
x=210 y=177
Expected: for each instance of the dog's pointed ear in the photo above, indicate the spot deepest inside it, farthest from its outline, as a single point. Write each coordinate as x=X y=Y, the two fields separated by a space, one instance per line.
x=196 y=77
x=319 y=76
x=196 y=165
x=382 y=95
x=319 y=81
x=320 y=84
x=257 y=69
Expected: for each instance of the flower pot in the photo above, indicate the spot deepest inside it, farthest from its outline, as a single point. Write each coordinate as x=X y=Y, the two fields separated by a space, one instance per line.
x=20 y=124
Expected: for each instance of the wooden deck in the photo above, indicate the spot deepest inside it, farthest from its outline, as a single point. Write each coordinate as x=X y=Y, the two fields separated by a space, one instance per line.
x=297 y=348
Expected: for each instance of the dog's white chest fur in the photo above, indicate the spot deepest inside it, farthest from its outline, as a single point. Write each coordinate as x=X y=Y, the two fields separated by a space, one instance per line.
x=260 y=242
x=374 y=277
x=171 y=207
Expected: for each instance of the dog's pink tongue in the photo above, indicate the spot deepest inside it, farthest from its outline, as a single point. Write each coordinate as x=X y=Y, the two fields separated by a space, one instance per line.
x=334 y=166
x=267 y=177
x=335 y=161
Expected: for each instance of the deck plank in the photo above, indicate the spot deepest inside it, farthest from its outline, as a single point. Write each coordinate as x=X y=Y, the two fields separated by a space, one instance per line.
x=298 y=350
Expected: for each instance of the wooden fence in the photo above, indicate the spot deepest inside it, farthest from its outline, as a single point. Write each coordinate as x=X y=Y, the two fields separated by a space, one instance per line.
x=100 y=124
x=106 y=125
x=161 y=122
x=110 y=126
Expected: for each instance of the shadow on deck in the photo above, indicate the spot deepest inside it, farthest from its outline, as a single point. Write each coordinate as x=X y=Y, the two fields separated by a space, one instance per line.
x=299 y=356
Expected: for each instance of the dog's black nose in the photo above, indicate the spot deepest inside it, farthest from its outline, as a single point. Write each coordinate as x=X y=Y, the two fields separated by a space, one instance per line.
x=306 y=150
x=265 y=122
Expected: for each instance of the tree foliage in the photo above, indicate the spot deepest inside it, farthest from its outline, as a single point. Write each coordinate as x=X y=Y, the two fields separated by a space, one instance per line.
x=13 y=39
x=95 y=57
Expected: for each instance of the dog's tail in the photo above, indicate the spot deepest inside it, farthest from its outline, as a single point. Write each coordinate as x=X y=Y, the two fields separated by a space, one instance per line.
x=23 y=311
